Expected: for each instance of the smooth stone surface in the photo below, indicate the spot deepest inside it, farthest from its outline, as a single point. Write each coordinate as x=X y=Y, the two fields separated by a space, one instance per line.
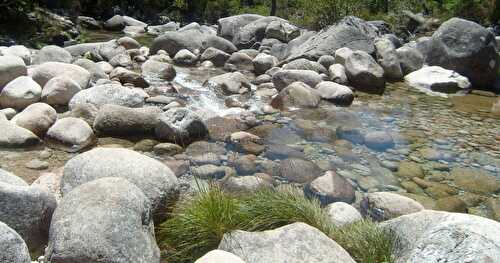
x=20 y=93
x=13 y=248
x=70 y=134
x=343 y=214
x=381 y=206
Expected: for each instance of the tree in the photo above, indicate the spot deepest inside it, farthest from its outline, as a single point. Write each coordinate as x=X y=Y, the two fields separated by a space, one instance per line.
x=273 y=7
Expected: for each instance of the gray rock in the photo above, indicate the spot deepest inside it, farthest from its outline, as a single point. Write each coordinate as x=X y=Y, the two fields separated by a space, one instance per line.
x=216 y=56
x=336 y=93
x=185 y=57
x=241 y=61
x=11 y=67
x=248 y=184
x=410 y=58
x=85 y=111
x=107 y=220
x=180 y=126
x=173 y=42
x=388 y=58
x=326 y=61
x=283 y=78
x=18 y=51
x=37 y=118
x=119 y=120
x=218 y=43
x=27 y=210
x=364 y=73
x=209 y=171
x=161 y=29
x=109 y=94
x=20 y=93
x=467 y=48
x=379 y=140
x=13 y=248
x=52 y=54
x=156 y=180
x=46 y=71
x=59 y=91
x=219 y=256
x=330 y=188
x=121 y=60
x=9 y=113
x=382 y=206
x=115 y=23
x=128 y=43
x=305 y=64
x=230 y=83
x=158 y=69
x=253 y=32
x=13 y=136
x=299 y=170
x=130 y=21
x=96 y=72
x=296 y=95
x=263 y=63
x=79 y=50
x=337 y=74
x=343 y=214
x=282 y=30
x=436 y=79
x=70 y=134
x=128 y=76
x=342 y=54
x=88 y=22
x=229 y=27
x=293 y=243
x=9 y=178
x=432 y=236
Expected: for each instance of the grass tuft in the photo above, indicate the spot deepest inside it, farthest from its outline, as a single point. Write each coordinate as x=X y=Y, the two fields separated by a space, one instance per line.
x=197 y=225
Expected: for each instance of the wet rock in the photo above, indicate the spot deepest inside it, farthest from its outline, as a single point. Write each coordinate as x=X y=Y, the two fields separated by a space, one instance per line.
x=107 y=219
x=299 y=170
x=219 y=256
x=382 y=206
x=263 y=62
x=70 y=134
x=230 y=83
x=297 y=94
x=119 y=120
x=221 y=127
x=27 y=210
x=410 y=58
x=46 y=71
x=451 y=204
x=180 y=126
x=335 y=93
x=209 y=171
x=200 y=147
x=437 y=79
x=466 y=48
x=167 y=149
x=127 y=76
x=379 y=140
x=52 y=54
x=13 y=248
x=59 y=91
x=216 y=56
x=37 y=118
x=281 y=151
x=185 y=57
x=431 y=236
x=156 y=180
x=305 y=64
x=475 y=180
x=20 y=93
x=350 y=133
x=493 y=205
x=293 y=243
x=410 y=170
x=115 y=94
x=284 y=78
x=364 y=73
x=240 y=61
x=245 y=165
x=337 y=74
x=244 y=184
x=11 y=67
x=343 y=214
x=330 y=188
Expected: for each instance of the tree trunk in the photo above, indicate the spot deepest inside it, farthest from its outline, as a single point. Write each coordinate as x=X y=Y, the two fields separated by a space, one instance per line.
x=273 y=7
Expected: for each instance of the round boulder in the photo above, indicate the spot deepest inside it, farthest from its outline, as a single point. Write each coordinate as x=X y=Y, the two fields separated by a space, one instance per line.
x=180 y=126
x=20 y=93
x=13 y=248
x=37 y=118
x=59 y=91
x=70 y=134
x=11 y=67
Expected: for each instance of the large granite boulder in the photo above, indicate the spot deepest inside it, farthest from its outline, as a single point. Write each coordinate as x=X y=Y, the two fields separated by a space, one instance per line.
x=106 y=220
x=119 y=120
x=70 y=134
x=109 y=94
x=37 y=118
x=283 y=78
x=296 y=95
x=364 y=73
x=20 y=93
x=467 y=48
x=381 y=206
x=11 y=67
x=13 y=248
x=173 y=42
x=44 y=72
x=432 y=236
x=229 y=27
x=435 y=80
x=52 y=54
x=13 y=136
x=155 y=179
x=59 y=91
x=180 y=126
x=293 y=243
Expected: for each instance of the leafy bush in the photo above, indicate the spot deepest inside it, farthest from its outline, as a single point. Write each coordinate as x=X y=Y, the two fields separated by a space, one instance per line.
x=197 y=225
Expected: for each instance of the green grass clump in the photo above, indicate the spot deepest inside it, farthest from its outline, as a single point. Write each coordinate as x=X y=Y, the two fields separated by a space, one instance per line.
x=197 y=225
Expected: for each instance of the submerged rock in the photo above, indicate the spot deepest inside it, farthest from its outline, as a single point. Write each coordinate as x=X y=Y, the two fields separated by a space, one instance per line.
x=330 y=188
x=293 y=243
x=296 y=95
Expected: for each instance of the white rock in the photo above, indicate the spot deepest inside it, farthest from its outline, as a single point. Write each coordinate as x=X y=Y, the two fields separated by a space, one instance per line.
x=20 y=93
x=343 y=214
x=219 y=256
x=437 y=81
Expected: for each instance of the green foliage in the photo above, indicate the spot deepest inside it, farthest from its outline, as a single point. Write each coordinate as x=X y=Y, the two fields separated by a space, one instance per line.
x=197 y=225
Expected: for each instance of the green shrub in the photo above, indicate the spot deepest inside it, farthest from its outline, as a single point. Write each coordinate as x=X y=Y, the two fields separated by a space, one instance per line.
x=197 y=225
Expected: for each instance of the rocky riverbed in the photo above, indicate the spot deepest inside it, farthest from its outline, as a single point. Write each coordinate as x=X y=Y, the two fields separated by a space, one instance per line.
x=344 y=122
